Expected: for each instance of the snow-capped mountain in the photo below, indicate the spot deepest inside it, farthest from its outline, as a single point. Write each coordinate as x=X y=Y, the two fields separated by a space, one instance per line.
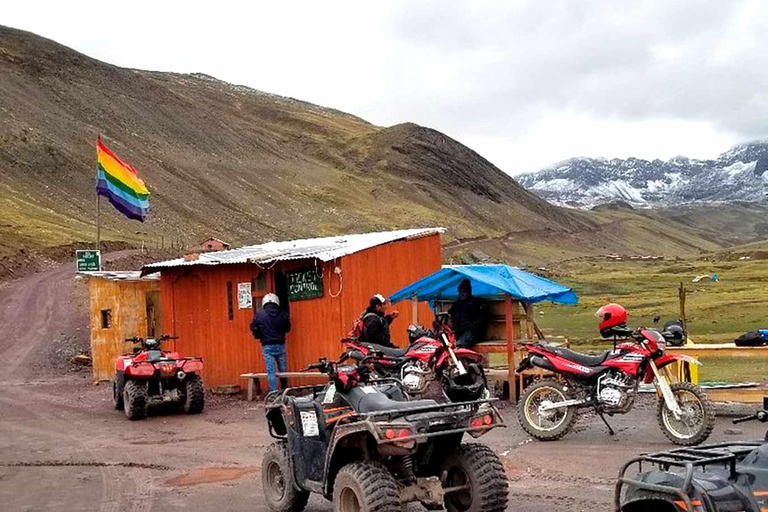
x=739 y=174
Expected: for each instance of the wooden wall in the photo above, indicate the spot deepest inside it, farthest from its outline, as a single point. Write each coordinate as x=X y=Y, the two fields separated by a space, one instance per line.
x=128 y=302
x=194 y=306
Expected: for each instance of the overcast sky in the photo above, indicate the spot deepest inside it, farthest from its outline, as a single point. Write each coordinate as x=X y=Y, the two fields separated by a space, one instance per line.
x=525 y=84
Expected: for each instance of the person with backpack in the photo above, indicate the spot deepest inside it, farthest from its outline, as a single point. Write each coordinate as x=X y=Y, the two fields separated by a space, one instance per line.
x=375 y=323
x=270 y=325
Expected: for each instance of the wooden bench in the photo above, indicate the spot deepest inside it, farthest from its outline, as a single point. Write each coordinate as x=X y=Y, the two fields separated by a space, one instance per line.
x=254 y=380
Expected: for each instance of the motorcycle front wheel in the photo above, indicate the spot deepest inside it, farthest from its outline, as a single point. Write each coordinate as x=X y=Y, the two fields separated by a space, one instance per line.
x=697 y=418
x=547 y=425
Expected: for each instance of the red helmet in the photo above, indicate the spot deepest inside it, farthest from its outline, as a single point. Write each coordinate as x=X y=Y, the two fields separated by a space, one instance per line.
x=611 y=315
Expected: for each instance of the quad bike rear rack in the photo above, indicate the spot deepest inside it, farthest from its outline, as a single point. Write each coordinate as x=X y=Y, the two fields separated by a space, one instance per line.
x=687 y=458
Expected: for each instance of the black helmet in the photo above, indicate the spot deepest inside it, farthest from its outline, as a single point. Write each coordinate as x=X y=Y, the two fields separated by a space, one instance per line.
x=674 y=333
x=467 y=387
x=415 y=332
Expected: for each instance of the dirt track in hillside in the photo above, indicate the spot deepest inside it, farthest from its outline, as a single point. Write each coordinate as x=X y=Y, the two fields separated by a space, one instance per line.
x=64 y=447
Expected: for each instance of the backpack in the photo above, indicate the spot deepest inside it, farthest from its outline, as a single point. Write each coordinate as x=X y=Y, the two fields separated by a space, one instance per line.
x=356 y=333
x=750 y=339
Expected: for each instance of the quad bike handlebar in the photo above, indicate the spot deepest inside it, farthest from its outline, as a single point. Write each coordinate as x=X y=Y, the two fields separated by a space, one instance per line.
x=761 y=416
x=162 y=337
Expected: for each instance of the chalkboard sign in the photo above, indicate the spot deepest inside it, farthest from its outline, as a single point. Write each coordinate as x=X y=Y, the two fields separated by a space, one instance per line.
x=305 y=284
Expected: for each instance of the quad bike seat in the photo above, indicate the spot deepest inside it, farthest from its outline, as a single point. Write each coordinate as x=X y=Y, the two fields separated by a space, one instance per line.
x=387 y=351
x=580 y=358
x=366 y=399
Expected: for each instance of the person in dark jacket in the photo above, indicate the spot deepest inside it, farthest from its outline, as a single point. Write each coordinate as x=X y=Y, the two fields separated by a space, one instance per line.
x=270 y=325
x=469 y=316
x=376 y=323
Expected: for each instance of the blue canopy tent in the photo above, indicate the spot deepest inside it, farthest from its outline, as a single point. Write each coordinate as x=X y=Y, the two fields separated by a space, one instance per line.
x=492 y=282
x=498 y=283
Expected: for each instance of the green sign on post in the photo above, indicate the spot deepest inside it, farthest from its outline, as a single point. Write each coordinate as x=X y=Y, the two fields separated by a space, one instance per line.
x=88 y=261
x=305 y=284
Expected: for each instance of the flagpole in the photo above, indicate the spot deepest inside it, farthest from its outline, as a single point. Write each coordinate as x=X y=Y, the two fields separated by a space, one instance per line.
x=98 y=209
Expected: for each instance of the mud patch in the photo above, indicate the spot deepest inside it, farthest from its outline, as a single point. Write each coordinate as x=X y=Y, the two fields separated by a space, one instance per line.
x=208 y=476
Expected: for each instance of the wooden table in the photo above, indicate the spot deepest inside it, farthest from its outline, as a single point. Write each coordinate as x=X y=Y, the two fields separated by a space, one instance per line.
x=718 y=350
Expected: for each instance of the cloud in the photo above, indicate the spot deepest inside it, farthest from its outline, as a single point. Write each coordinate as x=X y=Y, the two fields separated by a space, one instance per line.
x=524 y=83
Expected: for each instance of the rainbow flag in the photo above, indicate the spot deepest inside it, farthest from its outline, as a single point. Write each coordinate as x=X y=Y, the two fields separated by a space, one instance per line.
x=120 y=183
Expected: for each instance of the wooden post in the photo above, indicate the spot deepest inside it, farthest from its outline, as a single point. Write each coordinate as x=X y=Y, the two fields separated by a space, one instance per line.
x=415 y=309
x=681 y=294
x=512 y=314
x=530 y=325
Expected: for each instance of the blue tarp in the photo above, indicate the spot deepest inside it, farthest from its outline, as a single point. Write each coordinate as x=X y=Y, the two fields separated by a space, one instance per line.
x=489 y=282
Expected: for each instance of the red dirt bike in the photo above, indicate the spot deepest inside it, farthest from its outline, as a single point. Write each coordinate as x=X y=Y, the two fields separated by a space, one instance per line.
x=430 y=367
x=152 y=376
x=609 y=384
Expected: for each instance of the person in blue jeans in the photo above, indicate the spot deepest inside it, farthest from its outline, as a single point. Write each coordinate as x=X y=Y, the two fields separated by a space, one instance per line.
x=270 y=325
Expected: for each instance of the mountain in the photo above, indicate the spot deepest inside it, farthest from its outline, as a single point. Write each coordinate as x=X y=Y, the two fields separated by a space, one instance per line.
x=226 y=160
x=739 y=174
x=247 y=166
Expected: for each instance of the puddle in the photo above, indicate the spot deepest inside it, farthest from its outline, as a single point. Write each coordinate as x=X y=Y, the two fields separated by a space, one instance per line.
x=208 y=476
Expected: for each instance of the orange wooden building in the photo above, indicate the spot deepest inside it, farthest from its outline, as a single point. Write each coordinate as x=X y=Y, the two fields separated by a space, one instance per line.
x=209 y=299
x=122 y=304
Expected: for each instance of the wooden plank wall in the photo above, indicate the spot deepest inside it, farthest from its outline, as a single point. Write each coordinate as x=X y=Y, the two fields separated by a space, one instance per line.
x=127 y=301
x=194 y=303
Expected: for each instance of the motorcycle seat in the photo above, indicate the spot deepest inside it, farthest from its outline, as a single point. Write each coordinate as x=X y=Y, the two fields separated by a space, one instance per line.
x=367 y=399
x=578 y=358
x=387 y=351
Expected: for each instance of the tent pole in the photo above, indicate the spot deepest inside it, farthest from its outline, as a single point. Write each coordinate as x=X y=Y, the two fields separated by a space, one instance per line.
x=511 y=377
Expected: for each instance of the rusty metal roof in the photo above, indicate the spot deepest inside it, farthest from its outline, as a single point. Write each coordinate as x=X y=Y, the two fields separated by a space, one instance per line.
x=120 y=275
x=324 y=249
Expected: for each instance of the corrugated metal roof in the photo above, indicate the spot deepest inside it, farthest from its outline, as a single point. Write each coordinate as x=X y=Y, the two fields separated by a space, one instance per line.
x=120 y=275
x=324 y=249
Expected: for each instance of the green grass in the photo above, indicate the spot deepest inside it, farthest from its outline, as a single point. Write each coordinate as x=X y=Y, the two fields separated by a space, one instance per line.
x=717 y=312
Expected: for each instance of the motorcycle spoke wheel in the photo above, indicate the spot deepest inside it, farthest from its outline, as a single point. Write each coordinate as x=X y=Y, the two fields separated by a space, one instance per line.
x=545 y=421
x=691 y=419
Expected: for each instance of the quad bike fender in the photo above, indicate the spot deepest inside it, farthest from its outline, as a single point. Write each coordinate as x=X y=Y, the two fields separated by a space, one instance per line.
x=355 y=441
x=192 y=366
x=140 y=370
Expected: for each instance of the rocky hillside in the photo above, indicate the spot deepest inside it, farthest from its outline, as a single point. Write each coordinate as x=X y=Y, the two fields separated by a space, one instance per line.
x=226 y=160
x=248 y=166
x=739 y=174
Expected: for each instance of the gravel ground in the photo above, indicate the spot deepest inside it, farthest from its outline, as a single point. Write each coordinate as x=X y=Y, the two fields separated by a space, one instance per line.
x=64 y=447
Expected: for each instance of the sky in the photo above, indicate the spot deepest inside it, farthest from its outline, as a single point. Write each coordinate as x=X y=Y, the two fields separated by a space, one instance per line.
x=523 y=83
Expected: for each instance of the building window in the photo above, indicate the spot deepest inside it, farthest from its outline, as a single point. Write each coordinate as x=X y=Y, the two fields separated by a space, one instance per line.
x=259 y=283
x=230 y=301
x=106 y=318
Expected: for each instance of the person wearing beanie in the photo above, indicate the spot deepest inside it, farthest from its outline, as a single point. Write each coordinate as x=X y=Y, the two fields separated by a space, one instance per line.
x=469 y=316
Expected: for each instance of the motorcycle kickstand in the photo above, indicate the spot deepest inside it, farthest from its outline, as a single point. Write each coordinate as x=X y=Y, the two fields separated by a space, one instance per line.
x=610 y=430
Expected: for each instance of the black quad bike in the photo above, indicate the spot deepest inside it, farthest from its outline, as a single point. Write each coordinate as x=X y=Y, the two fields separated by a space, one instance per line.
x=359 y=443
x=709 y=478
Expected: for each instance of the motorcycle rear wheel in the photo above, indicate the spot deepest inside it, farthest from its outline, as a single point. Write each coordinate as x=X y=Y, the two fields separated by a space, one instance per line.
x=698 y=419
x=545 y=425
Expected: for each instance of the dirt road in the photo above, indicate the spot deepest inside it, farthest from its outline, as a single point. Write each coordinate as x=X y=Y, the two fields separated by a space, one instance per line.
x=64 y=448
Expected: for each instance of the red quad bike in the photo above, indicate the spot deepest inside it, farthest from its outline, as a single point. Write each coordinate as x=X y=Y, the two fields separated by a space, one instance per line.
x=152 y=376
x=358 y=442
x=609 y=383
x=429 y=367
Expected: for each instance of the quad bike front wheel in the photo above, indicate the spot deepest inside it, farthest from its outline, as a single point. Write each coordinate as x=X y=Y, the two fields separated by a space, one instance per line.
x=545 y=424
x=365 y=486
x=135 y=399
x=194 y=395
x=117 y=391
x=478 y=480
x=276 y=479
x=697 y=418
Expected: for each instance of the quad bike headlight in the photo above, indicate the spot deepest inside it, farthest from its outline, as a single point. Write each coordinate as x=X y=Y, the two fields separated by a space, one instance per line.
x=180 y=375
